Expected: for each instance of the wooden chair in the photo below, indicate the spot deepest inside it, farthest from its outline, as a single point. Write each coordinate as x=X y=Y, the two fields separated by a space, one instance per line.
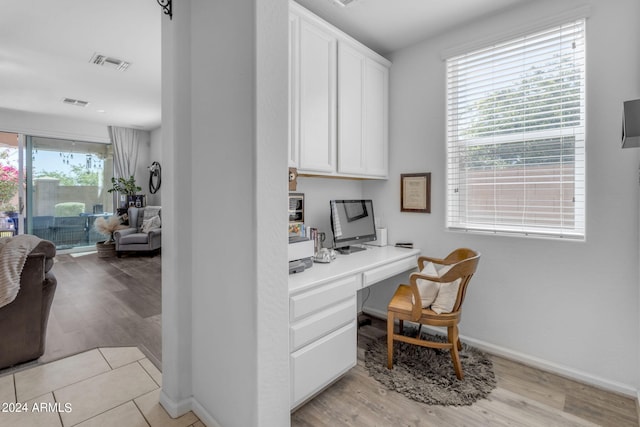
x=406 y=304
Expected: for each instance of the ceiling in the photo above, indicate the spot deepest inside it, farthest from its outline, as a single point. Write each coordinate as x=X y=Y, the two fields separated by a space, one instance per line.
x=388 y=25
x=46 y=47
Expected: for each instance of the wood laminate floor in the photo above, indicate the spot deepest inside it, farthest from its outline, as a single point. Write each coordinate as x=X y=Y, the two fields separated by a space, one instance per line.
x=524 y=396
x=116 y=302
x=104 y=302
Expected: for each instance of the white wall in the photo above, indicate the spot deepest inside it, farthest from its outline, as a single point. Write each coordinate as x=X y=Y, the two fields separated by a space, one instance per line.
x=570 y=306
x=51 y=126
x=45 y=125
x=225 y=305
x=318 y=192
x=176 y=228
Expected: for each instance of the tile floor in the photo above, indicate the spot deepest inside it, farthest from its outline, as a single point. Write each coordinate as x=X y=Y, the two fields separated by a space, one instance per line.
x=115 y=386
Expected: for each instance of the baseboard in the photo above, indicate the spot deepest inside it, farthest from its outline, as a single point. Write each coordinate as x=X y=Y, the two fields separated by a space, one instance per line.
x=204 y=415
x=175 y=409
x=638 y=404
x=535 y=362
x=178 y=409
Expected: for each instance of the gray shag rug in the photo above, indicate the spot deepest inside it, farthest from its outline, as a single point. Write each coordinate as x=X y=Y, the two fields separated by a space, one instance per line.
x=427 y=375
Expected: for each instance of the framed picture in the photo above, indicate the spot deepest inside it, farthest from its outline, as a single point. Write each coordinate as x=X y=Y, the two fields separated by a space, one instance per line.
x=296 y=207
x=415 y=192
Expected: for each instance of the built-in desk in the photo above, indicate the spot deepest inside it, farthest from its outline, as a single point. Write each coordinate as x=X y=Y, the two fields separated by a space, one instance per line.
x=323 y=314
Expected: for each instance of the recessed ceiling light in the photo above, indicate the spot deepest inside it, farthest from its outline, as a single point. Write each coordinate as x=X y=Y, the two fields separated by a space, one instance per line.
x=106 y=61
x=101 y=111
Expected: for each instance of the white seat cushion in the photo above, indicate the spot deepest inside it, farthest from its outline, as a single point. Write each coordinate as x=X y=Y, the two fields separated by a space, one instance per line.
x=135 y=238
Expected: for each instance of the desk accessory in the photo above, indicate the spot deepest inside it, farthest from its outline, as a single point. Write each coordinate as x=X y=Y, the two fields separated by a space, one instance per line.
x=325 y=256
x=381 y=238
x=407 y=245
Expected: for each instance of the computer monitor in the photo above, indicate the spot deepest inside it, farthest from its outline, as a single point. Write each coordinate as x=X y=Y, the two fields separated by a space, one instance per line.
x=352 y=222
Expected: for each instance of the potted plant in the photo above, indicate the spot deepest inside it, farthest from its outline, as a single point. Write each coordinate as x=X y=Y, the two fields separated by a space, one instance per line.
x=126 y=187
x=106 y=227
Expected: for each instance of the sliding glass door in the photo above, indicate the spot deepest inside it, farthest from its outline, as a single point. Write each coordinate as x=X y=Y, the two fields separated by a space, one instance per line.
x=66 y=189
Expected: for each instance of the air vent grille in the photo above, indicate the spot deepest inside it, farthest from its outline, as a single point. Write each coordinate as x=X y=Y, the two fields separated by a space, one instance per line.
x=76 y=102
x=107 y=61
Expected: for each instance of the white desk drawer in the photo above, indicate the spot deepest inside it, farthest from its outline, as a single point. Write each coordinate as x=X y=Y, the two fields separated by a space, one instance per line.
x=306 y=303
x=317 y=365
x=378 y=274
x=317 y=325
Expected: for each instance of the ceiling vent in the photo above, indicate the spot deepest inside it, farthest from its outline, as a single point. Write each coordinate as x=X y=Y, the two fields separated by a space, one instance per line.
x=106 y=61
x=76 y=102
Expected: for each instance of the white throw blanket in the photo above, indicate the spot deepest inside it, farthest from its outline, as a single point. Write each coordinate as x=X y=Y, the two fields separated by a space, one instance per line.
x=13 y=255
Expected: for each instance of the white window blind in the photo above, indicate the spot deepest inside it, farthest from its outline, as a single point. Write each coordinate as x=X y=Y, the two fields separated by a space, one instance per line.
x=516 y=136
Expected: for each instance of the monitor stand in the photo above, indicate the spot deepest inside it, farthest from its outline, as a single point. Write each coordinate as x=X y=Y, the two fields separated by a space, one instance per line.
x=346 y=250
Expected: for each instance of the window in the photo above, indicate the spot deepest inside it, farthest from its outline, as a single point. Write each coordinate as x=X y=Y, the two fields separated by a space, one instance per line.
x=516 y=136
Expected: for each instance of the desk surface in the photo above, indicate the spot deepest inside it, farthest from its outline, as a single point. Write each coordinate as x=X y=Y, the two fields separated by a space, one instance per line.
x=345 y=265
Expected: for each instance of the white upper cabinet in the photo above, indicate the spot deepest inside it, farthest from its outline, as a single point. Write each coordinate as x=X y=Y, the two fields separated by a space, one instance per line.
x=351 y=64
x=314 y=98
x=339 y=101
x=362 y=114
x=376 y=119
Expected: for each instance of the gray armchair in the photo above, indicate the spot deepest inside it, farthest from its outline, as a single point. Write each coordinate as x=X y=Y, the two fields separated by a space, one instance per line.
x=135 y=238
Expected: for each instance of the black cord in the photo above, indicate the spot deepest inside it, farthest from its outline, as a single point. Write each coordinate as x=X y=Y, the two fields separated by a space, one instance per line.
x=365 y=299
x=155 y=171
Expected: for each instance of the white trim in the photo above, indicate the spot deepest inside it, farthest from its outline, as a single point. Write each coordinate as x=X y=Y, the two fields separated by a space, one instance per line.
x=581 y=12
x=178 y=409
x=55 y=134
x=545 y=365
x=203 y=415
x=175 y=409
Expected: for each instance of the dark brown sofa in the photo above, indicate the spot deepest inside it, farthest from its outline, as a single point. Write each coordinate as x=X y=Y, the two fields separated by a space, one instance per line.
x=23 y=322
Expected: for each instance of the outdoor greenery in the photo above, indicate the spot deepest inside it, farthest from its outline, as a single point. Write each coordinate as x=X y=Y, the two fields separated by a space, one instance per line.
x=8 y=182
x=545 y=98
x=79 y=176
x=518 y=153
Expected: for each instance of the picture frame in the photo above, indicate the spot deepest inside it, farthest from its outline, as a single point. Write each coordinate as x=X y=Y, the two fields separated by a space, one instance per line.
x=296 y=207
x=415 y=192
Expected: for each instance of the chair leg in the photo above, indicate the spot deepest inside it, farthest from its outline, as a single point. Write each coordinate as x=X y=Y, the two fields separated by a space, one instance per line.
x=400 y=326
x=452 y=332
x=390 y=325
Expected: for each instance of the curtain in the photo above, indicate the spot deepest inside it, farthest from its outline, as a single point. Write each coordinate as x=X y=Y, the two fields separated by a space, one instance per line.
x=125 y=149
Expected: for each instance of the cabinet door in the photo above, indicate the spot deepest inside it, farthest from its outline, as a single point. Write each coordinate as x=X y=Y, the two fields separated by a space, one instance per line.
x=362 y=114
x=351 y=69
x=376 y=119
x=317 y=99
x=294 y=71
x=315 y=366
